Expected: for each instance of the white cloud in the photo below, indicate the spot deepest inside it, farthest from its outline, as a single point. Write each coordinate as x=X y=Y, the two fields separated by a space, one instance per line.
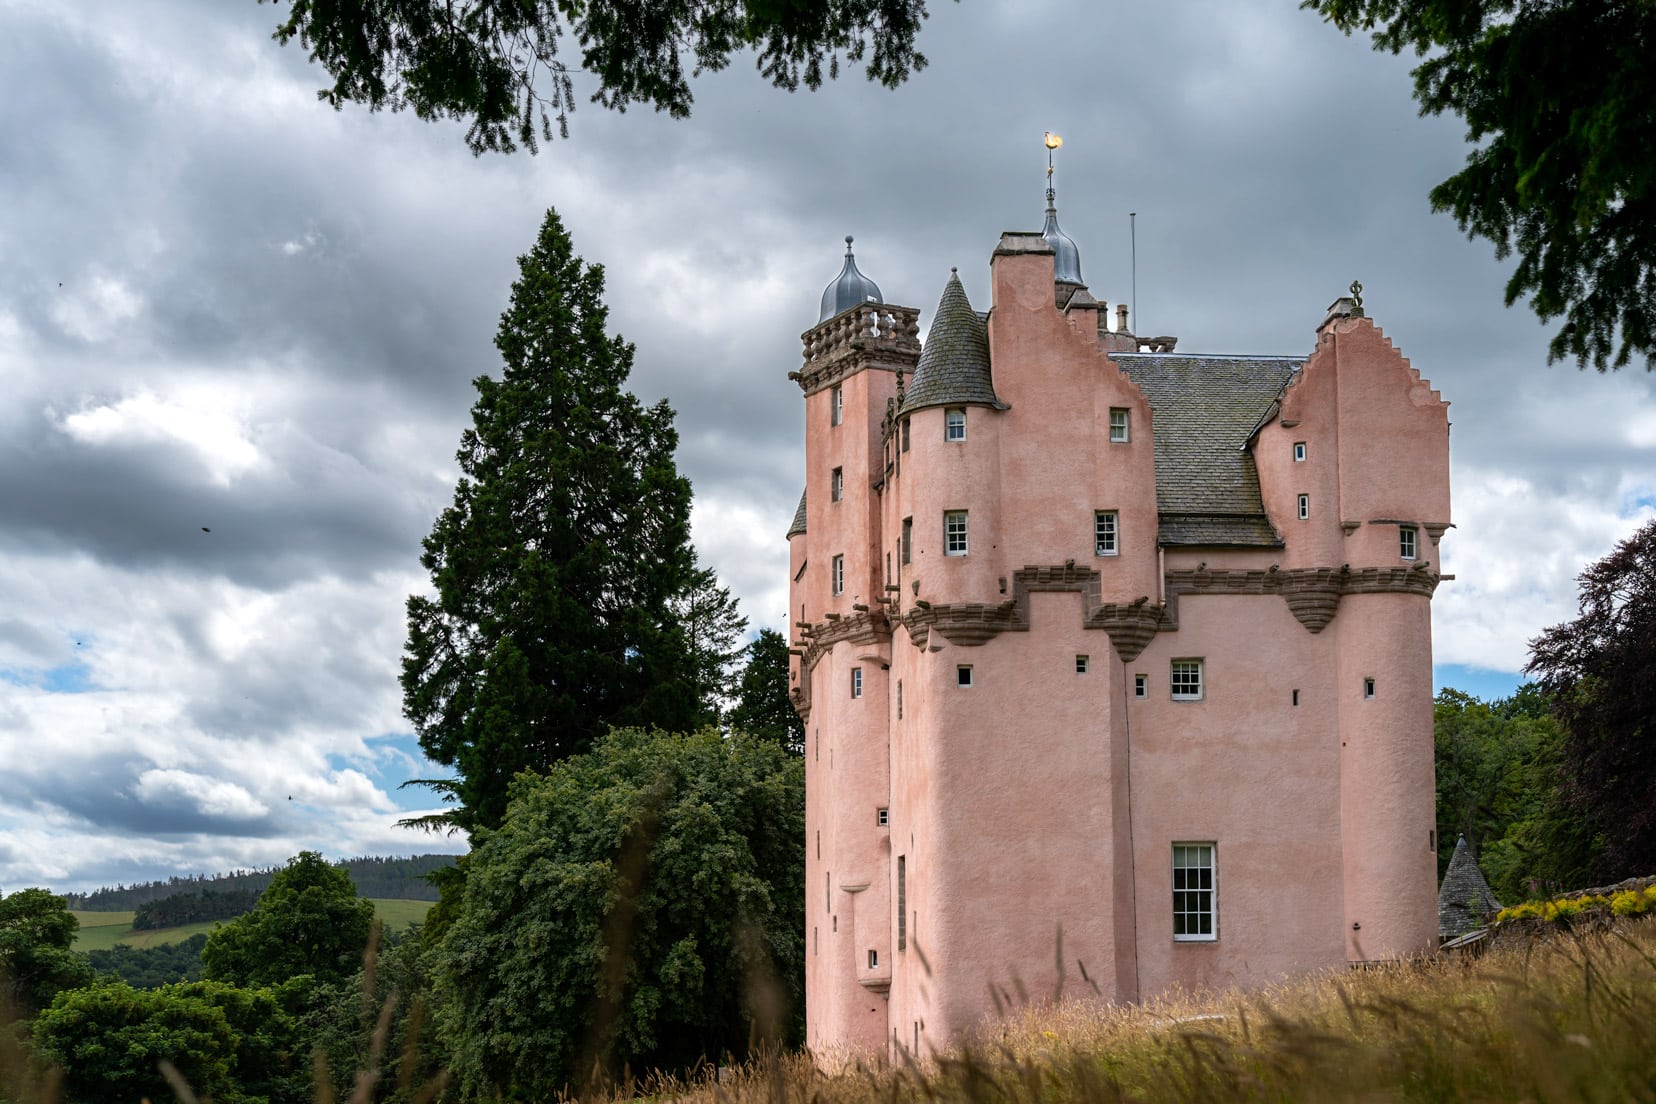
x=97 y=308
x=212 y=797
x=209 y=421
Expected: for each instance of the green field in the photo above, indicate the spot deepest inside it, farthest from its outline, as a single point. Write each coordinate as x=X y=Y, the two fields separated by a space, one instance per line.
x=99 y=931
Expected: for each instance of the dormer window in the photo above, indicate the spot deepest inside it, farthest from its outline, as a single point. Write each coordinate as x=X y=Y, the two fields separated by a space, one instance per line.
x=954 y=424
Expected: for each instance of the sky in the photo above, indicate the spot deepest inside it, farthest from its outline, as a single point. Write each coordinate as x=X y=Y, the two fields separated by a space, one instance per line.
x=238 y=331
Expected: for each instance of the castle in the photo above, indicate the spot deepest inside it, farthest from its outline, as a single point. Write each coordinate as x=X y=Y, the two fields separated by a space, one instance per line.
x=1115 y=661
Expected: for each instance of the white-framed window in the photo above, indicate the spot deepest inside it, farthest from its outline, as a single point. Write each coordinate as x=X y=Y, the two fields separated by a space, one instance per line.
x=1195 y=893
x=882 y=818
x=836 y=575
x=908 y=540
x=836 y=485
x=1304 y=507
x=1299 y=452
x=1081 y=664
x=954 y=424
x=856 y=682
x=1106 y=529
x=963 y=675
x=1185 y=678
x=1368 y=688
x=954 y=532
x=1118 y=424
x=1141 y=686
x=836 y=406
x=1408 y=541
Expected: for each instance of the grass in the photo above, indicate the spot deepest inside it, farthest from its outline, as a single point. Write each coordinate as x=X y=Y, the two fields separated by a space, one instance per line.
x=1572 y=1018
x=100 y=931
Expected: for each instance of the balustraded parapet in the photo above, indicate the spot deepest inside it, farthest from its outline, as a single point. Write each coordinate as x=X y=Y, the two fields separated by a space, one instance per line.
x=870 y=335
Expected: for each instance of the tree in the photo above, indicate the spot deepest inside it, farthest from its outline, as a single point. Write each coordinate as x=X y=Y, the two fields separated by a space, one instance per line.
x=309 y=921
x=1600 y=671
x=1500 y=783
x=1556 y=96
x=496 y=65
x=37 y=950
x=762 y=706
x=556 y=569
x=712 y=625
x=642 y=904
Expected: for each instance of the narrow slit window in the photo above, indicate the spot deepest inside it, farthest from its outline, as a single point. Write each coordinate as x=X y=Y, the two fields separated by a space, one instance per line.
x=1296 y=697
x=1304 y=506
x=873 y=959
x=836 y=484
x=908 y=540
x=836 y=406
x=837 y=575
x=856 y=682
x=1368 y=688
x=905 y=434
x=899 y=699
x=902 y=902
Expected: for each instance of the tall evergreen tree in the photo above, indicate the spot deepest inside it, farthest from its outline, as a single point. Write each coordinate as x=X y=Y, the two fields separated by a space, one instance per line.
x=713 y=625
x=762 y=705
x=556 y=568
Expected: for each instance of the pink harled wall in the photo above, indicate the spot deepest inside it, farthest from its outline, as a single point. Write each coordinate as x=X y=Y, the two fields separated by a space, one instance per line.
x=1042 y=800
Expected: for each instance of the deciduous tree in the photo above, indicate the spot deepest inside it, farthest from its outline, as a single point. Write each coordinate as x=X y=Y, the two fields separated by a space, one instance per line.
x=1556 y=96
x=309 y=921
x=556 y=570
x=37 y=950
x=643 y=903
x=1600 y=672
x=496 y=64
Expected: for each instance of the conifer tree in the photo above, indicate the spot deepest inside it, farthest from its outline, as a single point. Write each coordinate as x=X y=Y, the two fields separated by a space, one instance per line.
x=713 y=625
x=556 y=568
x=762 y=706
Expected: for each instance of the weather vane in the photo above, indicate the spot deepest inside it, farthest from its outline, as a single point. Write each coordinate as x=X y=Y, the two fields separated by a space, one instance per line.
x=1052 y=142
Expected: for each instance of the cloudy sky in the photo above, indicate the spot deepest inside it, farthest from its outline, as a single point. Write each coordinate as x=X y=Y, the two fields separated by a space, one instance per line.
x=238 y=332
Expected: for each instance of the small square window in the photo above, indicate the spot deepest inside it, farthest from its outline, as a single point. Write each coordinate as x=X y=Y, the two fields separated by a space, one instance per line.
x=1304 y=507
x=836 y=575
x=1407 y=541
x=1195 y=893
x=954 y=532
x=954 y=424
x=908 y=539
x=1118 y=425
x=1141 y=686
x=1299 y=451
x=836 y=485
x=1185 y=677
x=1080 y=664
x=963 y=675
x=882 y=818
x=1368 y=688
x=1106 y=527
x=856 y=682
x=836 y=406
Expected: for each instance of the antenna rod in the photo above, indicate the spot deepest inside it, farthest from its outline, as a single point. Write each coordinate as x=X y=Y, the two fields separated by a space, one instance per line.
x=1132 y=228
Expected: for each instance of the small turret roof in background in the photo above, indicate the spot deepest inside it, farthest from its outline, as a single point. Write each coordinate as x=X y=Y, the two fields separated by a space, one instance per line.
x=954 y=362
x=1464 y=900
x=798 y=525
x=849 y=289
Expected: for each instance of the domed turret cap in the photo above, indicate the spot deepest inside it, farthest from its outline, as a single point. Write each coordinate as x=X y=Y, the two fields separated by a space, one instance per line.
x=849 y=288
x=954 y=363
x=1066 y=261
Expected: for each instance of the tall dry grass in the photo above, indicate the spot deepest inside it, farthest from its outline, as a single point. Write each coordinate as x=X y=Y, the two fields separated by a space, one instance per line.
x=1568 y=1018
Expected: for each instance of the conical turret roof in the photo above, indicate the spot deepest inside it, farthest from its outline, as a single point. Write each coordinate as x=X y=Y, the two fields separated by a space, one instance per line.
x=1464 y=900
x=849 y=289
x=954 y=362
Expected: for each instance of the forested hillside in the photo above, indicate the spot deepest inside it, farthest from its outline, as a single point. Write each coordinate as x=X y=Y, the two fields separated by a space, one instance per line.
x=374 y=877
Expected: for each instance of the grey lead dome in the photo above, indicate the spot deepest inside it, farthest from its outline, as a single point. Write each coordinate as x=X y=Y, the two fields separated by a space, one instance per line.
x=849 y=289
x=1066 y=261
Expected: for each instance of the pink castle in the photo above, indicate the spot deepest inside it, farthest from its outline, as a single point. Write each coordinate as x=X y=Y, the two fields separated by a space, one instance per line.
x=1102 y=639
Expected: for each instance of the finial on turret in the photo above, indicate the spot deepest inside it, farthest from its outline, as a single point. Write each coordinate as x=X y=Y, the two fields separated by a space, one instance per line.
x=1066 y=261
x=1356 y=298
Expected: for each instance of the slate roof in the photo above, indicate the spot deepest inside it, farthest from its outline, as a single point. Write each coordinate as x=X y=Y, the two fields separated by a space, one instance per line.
x=1205 y=409
x=1464 y=900
x=798 y=525
x=954 y=362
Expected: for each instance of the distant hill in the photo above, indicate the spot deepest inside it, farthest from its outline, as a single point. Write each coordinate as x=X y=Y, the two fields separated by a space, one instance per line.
x=396 y=878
